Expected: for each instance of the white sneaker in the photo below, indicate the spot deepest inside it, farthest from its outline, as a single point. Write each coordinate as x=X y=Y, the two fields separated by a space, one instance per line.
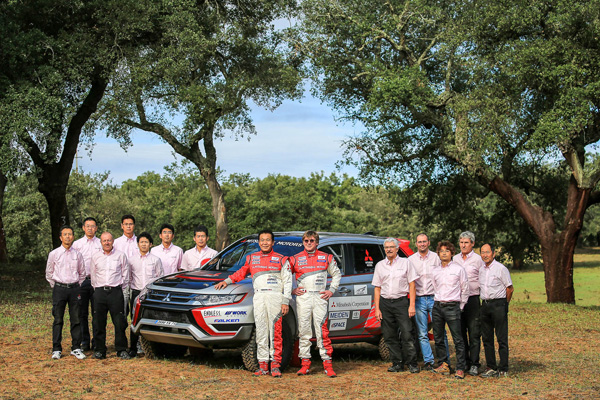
x=78 y=353
x=56 y=355
x=140 y=350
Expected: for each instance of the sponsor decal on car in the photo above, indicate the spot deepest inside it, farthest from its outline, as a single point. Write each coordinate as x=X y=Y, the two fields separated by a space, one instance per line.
x=350 y=303
x=337 y=325
x=355 y=314
x=360 y=290
x=339 y=315
x=226 y=321
x=211 y=313
x=161 y=322
x=236 y=313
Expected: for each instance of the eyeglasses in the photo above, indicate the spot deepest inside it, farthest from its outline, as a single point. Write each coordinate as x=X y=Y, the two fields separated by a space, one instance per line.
x=309 y=240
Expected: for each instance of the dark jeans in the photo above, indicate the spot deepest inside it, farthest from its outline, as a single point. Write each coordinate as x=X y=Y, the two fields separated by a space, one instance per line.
x=112 y=301
x=133 y=338
x=395 y=317
x=471 y=331
x=494 y=317
x=61 y=296
x=448 y=314
x=87 y=303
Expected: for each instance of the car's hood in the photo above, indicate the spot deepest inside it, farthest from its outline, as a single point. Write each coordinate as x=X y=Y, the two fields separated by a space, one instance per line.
x=196 y=280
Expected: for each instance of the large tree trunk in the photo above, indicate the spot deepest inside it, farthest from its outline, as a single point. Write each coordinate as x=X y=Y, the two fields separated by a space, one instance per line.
x=3 y=250
x=558 y=247
x=219 y=210
x=53 y=185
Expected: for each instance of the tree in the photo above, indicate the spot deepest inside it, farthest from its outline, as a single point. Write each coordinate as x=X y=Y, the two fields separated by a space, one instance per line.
x=501 y=90
x=56 y=61
x=195 y=84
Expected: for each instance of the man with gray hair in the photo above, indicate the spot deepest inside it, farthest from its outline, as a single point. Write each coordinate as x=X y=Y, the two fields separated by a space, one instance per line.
x=394 y=279
x=471 y=326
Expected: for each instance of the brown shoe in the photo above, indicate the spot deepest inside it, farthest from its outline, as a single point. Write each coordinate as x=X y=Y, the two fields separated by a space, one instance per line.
x=442 y=369
x=460 y=374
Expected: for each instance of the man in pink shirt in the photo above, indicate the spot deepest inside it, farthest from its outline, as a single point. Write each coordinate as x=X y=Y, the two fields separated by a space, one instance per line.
x=128 y=242
x=200 y=254
x=451 y=292
x=169 y=254
x=110 y=274
x=471 y=326
x=394 y=279
x=65 y=270
x=87 y=245
x=496 y=292
x=145 y=268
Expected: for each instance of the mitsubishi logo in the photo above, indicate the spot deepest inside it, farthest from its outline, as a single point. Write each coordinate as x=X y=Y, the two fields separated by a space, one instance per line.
x=167 y=297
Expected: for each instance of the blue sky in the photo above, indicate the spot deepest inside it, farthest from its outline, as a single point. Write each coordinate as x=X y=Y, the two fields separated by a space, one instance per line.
x=296 y=139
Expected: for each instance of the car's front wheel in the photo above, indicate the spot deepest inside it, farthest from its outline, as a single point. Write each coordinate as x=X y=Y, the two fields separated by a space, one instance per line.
x=384 y=350
x=249 y=349
x=155 y=350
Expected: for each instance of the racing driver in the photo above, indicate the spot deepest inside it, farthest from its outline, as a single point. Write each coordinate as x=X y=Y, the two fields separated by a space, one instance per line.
x=272 y=282
x=311 y=267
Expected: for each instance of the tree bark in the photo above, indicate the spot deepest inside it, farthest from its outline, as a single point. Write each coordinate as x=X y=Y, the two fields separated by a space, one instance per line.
x=219 y=210
x=3 y=249
x=558 y=247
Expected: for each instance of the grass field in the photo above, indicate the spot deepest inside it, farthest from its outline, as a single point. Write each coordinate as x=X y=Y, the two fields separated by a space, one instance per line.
x=554 y=355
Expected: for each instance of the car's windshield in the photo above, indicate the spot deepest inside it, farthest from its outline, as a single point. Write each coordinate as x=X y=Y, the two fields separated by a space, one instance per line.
x=233 y=258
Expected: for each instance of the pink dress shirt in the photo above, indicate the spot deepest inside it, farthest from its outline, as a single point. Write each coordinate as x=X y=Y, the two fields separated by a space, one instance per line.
x=110 y=269
x=171 y=257
x=472 y=264
x=493 y=281
x=65 y=266
x=450 y=284
x=127 y=245
x=393 y=277
x=193 y=258
x=424 y=266
x=87 y=247
x=144 y=270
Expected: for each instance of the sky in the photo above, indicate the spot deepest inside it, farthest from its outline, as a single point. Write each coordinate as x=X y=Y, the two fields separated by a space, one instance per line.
x=298 y=138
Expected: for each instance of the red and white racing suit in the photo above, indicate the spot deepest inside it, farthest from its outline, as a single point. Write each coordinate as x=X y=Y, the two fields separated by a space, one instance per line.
x=311 y=271
x=272 y=282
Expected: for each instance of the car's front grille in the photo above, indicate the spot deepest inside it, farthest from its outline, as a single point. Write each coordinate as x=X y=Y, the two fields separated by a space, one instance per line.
x=172 y=316
x=171 y=297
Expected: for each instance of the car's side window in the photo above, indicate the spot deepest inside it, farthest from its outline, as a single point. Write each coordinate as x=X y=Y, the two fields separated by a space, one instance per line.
x=366 y=255
x=336 y=251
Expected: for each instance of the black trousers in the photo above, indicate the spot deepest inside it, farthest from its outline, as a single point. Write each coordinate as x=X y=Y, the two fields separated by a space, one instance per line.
x=87 y=303
x=133 y=338
x=471 y=331
x=61 y=296
x=494 y=317
x=448 y=314
x=395 y=317
x=112 y=301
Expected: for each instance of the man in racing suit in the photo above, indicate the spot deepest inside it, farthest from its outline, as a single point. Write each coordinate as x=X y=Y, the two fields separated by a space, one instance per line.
x=272 y=282
x=311 y=267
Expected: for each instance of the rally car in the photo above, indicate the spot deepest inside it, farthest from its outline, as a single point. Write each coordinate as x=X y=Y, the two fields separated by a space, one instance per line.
x=183 y=310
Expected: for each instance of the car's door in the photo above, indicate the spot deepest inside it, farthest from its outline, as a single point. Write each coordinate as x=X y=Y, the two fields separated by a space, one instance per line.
x=351 y=308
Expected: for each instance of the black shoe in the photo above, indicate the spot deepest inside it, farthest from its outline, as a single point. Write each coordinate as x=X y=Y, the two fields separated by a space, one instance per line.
x=413 y=369
x=132 y=353
x=123 y=354
x=473 y=371
x=99 y=355
x=85 y=347
x=396 y=368
x=428 y=367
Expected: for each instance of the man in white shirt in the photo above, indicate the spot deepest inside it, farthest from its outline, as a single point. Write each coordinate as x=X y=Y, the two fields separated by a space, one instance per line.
x=170 y=255
x=87 y=245
x=200 y=254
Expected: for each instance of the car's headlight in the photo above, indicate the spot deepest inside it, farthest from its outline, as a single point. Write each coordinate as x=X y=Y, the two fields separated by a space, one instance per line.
x=215 y=299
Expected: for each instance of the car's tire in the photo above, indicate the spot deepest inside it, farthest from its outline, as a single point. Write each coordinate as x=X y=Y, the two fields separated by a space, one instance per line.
x=155 y=350
x=384 y=350
x=249 y=349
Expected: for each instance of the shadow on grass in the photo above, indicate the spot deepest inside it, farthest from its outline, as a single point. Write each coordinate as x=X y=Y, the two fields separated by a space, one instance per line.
x=519 y=365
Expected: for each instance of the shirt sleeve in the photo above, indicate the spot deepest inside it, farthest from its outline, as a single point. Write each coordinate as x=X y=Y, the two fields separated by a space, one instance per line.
x=505 y=277
x=411 y=272
x=179 y=259
x=185 y=263
x=376 y=276
x=286 y=279
x=80 y=267
x=50 y=269
x=464 y=288
x=158 y=269
x=126 y=272
x=336 y=275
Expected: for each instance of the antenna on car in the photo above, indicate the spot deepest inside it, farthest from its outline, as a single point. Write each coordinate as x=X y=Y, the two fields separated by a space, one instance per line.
x=369 y=233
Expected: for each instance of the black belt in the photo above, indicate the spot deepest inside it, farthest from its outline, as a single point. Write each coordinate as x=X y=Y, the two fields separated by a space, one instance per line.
x=67 y=285
x=446 y=303
x=503 y=299
x=109 y=288
x=396 y=299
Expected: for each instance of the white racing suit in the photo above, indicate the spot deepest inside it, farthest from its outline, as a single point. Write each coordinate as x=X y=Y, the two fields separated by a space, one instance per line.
x=272 y=282
x=311 y=274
